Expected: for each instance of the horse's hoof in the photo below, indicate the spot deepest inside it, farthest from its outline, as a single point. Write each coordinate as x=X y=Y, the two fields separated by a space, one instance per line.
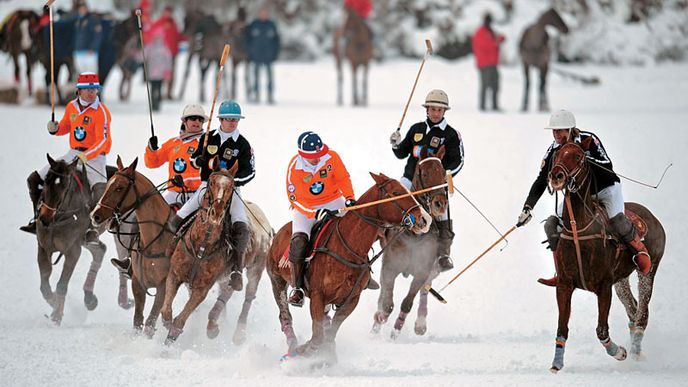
x=149 y=331
x=381 y=317
x=638 y=356
x=239 y=335
x=126 y=304
x=420 y=329
x=554 y=369
x=376 y=328
x=167 y=323
x=90 y=300
x=621 y=354
x=395 y=334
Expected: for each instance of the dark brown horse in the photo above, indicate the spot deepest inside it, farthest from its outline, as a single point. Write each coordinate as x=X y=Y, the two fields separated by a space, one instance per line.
x=358 y=49
x=126 y=192
x=19 y=36
x=62 y=222
x=255 y=259
x=340 y=269
x=534 y=51
x=200 y=256
x=588 y=259
x=413 y=254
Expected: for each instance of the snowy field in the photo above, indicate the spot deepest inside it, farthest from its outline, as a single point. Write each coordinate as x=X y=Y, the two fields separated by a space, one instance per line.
x=499 y=325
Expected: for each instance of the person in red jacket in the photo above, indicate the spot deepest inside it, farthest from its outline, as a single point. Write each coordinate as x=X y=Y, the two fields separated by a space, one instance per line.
x=486 y=50
x=167 y=26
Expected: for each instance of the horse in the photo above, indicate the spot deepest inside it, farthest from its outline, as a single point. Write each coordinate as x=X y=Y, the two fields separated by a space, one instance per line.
x=19 y=36
x=588 y=258
x=358 y=50
x=207 y=38
x=534 y=51
x=62 y=223
x=255 y=259
x=126 y=192
x=200 y=256
x=339 y=269
x=413 y=254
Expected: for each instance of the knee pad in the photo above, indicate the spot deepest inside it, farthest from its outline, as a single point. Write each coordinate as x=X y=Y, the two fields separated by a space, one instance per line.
x=552 y=228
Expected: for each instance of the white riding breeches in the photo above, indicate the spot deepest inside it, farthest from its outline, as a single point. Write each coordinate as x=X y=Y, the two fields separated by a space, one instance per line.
x=237 y=210
x=172 y=197
x=95 y=168
x=611 y=198
x=302 y=223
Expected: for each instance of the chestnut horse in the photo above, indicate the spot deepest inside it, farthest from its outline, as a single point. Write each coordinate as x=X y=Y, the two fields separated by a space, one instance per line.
x=201 y=254
x=62 y=222
x=126 y=192
x=340 y=269
x=534 y=51
x=254 y=260
x=588 y=259
x=413 y=254
x=358 y=50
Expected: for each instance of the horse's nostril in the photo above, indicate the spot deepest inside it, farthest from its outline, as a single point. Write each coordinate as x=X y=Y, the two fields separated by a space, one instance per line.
x=559 y=176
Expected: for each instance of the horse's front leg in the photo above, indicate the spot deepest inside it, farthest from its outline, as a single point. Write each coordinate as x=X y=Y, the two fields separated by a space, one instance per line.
x=364 y=99
x=171 y=288
x=407 y=304
x=604 y=303
x=544 y=101
x=354 y=84
x=564 y=294
x=197 y=296
x=385 y=303
x=254 y=274
x=330 y=349
x=226 y=291
x=70 y=260
x=317 y=306
x=279 y=292
x=139 y=293
x=45 y=268
x=97 y=252
x=526 y=87
x=149 y=329
x=421 y=325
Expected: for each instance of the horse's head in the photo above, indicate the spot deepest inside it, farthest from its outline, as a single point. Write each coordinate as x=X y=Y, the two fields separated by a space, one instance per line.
x=429 y=173
x=552 y=18
x=405 y=211
x=570 y=167
x=120 y=194
x=62 y=178
x=220 y=189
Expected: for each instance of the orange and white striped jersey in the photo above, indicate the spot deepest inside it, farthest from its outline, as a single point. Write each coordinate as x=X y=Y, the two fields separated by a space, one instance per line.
x=313 y=185
x=177 y=153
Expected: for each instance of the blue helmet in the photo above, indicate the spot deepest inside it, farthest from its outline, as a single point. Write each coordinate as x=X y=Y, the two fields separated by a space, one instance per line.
x=311 y=146
x=229 y=109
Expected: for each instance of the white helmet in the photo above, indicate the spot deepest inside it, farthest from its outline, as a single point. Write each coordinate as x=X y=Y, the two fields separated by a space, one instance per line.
x=194 y=110
x=561 y=119
x=437 y=98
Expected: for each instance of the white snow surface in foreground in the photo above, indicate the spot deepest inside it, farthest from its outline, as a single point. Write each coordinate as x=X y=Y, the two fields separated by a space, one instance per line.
x=499 y=325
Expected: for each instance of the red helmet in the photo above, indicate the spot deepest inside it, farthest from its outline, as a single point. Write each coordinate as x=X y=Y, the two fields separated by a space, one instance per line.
x=88 y=80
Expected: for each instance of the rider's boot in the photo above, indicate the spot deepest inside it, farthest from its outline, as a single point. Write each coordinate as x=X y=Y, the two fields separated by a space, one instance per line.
x=552 y=231
x=444 y=242
x=174 y=223
x=240 y=238
x=625 y=229
x=297 y=257
x=35 y=184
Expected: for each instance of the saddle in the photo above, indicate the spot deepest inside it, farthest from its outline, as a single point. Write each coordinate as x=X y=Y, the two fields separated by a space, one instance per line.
x=638 y=222
x=317 y=231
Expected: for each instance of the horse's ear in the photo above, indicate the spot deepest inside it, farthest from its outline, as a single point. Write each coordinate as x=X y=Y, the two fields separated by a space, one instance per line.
x=215 y=162
x=441 y=152
x=133 y=164
x=120 y=166
x=375 y=177
x=423 y=153
x=235 y=167
x=50 y=160
x=585 y=144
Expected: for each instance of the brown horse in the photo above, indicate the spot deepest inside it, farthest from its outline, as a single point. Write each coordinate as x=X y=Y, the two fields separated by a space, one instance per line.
x=255 y=259
x=340 y=269
x=534 y=51
x=413 y=254
x=19 y=36
x=588 y=258
x=200 y=256
x=126 y=192
x=62 y=222
x=358 y=50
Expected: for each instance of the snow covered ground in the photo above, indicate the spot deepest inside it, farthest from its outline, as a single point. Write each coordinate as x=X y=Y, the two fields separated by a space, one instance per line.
x=499 y=325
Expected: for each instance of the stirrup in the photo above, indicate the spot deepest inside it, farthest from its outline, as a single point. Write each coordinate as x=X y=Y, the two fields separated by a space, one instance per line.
x=296 y=297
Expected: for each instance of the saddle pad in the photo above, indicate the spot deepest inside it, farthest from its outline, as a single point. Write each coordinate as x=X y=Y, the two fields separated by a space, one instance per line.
x=318 y=230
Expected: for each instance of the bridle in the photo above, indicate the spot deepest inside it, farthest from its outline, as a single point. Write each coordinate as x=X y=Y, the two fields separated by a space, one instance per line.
x=58 y=211
x=427 y=197
x=408 y=220
x=575 y=176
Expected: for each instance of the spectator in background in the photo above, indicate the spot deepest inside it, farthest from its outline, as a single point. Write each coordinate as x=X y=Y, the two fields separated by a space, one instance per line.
x=171 y=38
x=87 y=38
x=486 y=50
x=263 y=44
x=159 y=67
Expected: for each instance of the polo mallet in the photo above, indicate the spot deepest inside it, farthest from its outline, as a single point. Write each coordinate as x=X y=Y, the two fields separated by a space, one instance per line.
x=145 y=71
x=437 y=293
x=49 y=7
x=428 y=52
x=223 y=59
x=393 y=198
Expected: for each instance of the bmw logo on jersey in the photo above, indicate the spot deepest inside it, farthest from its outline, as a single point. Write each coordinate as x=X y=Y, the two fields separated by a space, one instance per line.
x=179 y=165
x=79 y=133
x=317 y=187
